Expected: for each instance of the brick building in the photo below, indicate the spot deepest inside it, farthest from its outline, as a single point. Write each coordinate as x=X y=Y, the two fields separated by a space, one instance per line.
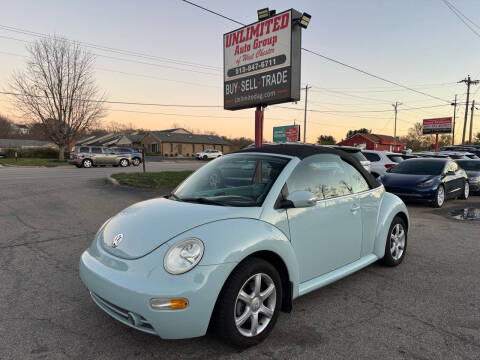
x=374 y=142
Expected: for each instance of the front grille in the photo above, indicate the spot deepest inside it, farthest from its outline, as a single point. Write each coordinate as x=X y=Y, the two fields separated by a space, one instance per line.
x=123 y=315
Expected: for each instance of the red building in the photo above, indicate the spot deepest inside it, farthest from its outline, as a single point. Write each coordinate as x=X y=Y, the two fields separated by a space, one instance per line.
x=374 y=142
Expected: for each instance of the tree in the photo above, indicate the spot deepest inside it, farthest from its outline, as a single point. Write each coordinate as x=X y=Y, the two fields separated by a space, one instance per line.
x=416 y=141
x=5 y=127
x=57 y=89
x=350 y=133
x=476 y=140
x=326 y=140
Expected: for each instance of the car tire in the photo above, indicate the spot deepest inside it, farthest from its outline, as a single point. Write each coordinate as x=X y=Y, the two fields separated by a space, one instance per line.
x=466 y=191
x=241 y=302
x=440 y=197
x=123 y=163
x=87 y=163
x=136 y=161
x=205 y=157
x=396 y=245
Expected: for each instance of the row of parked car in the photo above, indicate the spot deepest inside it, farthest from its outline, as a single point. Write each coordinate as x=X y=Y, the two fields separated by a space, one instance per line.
x=432 y=177
x=89 y=156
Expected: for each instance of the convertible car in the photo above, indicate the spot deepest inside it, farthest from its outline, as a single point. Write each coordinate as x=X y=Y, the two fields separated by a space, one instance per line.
x=240 y=239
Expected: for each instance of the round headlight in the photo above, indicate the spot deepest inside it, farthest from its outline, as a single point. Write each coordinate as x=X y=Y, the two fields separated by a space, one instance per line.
x=183 y=256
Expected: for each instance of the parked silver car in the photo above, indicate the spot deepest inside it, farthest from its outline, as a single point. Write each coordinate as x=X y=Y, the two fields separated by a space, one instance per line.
x=381 y=161
x=88 y=156
x=133 y=155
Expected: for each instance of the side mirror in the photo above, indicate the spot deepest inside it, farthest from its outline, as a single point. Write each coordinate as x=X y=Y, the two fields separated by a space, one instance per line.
x=300 y=199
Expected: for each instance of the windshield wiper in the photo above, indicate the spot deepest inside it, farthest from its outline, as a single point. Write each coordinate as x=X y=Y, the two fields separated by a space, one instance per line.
x=172 y=195
x=203 y=200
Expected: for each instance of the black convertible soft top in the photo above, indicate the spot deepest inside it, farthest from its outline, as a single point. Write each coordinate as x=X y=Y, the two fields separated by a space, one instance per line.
x=305 y=150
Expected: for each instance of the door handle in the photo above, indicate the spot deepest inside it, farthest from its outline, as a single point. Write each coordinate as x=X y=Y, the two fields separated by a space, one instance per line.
x=355 y=208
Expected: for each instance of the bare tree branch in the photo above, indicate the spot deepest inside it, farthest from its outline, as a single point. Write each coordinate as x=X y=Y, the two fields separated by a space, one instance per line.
x=57 y=89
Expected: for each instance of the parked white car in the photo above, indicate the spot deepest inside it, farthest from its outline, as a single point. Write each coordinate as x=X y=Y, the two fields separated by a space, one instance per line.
x=208 y=154
x=381 y=161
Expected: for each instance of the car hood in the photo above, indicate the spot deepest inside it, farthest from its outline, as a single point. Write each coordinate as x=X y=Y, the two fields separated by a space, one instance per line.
x=147 y=225
x=404 y=180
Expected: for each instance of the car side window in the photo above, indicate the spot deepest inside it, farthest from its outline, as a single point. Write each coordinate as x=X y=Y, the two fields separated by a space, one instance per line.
x=324 y=175
x=371 y=156
x=84 y=149
x=357 y=181
x=96 y=150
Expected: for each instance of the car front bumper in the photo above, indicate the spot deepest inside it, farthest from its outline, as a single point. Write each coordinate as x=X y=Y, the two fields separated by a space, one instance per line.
x=474 y=187
x=124 y=288
x=413 y=194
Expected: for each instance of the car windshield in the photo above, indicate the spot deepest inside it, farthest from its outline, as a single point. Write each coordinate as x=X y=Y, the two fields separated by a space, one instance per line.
x=419 y=167
x=235 y=180
x=395 y=158
x=469 y=165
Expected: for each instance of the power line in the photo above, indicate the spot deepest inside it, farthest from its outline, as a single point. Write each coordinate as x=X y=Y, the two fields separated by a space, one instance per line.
x=459 y=15
x=214 y=12
x=111 y=49
x=372 y=75
x=118 y=102
x=131 y=60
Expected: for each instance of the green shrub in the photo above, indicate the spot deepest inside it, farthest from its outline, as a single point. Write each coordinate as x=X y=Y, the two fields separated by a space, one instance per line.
x=166 y=155
x=43 y=153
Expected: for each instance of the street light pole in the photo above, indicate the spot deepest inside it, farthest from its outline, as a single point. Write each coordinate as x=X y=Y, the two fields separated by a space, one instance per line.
x=395 y=106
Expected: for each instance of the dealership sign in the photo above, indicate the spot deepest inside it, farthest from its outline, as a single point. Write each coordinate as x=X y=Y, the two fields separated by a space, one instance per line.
x=286 y=133
x=437 y=126
x=262 y=63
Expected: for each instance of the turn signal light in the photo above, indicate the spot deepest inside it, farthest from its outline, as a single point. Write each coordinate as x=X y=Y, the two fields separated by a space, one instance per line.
x=168 y=304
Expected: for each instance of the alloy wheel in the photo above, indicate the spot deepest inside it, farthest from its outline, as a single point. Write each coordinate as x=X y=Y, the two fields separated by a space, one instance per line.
x=397 y=242
x=255 y=305
x=123 y=163
x=440 y=196
x=87 y=163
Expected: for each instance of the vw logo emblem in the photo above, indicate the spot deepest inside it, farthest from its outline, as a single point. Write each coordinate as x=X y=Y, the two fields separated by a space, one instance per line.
x=116 y=240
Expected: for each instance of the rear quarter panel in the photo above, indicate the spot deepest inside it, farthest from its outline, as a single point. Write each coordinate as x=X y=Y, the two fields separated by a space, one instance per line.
x=390 y=206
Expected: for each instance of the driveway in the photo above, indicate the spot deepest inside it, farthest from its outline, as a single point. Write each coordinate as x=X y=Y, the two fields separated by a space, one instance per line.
x=427 y=308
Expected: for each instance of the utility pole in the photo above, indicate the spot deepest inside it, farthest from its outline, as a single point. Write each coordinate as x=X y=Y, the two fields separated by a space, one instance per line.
x=469 y=82
x=305 y=115
x=471 y=122
x=454 y=104
x=395 y=106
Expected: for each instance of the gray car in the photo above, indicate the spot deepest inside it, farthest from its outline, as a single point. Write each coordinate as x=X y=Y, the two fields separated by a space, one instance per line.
x=133 y=155
x=88 y=156
x=472 y=167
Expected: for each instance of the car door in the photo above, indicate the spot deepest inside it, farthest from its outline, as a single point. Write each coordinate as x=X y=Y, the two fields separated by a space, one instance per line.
x=97 y=155
x=327 y=235
x=450 y=179
x=109 y=157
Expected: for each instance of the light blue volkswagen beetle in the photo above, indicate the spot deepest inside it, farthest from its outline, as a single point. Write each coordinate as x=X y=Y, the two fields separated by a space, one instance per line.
x=240 y=239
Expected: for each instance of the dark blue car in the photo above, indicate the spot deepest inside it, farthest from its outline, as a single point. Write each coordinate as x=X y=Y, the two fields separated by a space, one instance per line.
x=428 y=180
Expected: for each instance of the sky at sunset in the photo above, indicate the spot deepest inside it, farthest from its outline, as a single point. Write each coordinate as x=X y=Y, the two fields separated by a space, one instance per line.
x=418 y=43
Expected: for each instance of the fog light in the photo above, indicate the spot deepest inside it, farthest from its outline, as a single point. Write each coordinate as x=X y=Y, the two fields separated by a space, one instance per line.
x=168 y=304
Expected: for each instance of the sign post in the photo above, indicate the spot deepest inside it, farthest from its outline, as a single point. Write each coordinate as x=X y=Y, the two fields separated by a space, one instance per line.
x=437 y=126
x=262 y=65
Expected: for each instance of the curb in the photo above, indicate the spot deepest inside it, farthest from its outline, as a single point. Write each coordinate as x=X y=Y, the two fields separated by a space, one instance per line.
x=112 y=181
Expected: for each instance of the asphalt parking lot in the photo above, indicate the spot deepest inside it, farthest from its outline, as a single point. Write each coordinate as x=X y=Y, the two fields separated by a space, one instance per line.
x=427 y=308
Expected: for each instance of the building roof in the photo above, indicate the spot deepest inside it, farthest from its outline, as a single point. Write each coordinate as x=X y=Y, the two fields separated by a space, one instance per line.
x=378 y=138
x=304 y=150
x=169 y=136
x=135 y=137
x=15 y=143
